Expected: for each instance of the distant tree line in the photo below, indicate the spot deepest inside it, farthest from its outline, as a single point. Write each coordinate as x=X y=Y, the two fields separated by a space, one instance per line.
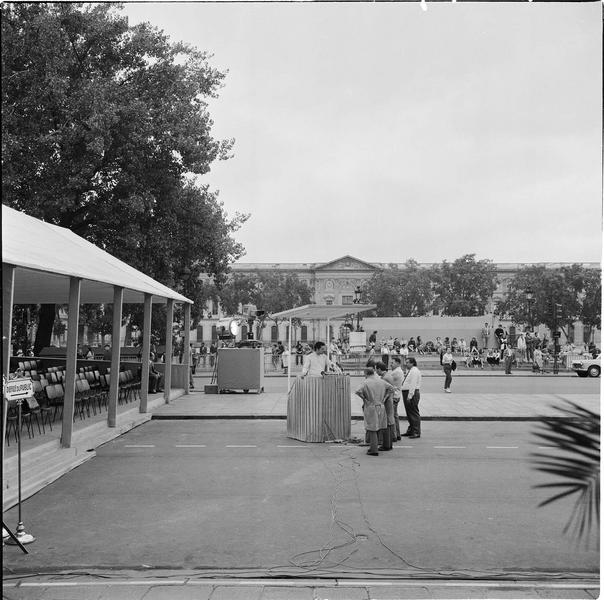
x=464 y=288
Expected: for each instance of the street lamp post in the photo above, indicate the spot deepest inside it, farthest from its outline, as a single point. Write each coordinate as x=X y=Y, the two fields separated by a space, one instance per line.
x=357 y=300
x=530 y=299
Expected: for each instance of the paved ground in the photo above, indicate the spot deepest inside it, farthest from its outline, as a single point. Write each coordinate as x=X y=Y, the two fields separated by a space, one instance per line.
x=238 y=498
x=137 y=587
x=208 y=497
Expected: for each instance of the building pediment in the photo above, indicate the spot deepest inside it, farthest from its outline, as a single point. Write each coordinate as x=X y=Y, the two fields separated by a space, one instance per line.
x=347 y=263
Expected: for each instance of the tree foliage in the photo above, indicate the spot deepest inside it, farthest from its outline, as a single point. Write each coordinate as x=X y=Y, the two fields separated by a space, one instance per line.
x=104 y=128
x=271 y=292
x=574 y=287
x=24 y=317
x=591 y=299
x=240 y=288
x=464 y=287
x=277 y=292
x=400 y=292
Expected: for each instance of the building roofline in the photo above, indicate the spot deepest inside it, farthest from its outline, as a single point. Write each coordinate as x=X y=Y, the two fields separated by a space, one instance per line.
x=241 y=266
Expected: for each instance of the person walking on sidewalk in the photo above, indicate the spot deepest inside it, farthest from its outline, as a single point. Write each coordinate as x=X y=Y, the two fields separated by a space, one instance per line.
x=374 y=393
x=508 y=355
x=447 y=362
x=411 y=392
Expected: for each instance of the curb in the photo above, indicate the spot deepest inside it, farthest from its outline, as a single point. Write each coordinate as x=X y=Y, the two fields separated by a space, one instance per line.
x=353 y=418
x=439 y=373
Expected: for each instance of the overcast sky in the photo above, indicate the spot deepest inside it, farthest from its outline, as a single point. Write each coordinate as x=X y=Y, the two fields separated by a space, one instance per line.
x=388 y=132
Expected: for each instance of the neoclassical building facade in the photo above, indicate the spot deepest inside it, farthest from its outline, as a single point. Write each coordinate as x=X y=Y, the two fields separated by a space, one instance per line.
x=334 y=282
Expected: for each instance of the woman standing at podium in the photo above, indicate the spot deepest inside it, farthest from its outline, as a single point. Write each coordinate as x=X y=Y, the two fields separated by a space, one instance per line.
x=316 y=364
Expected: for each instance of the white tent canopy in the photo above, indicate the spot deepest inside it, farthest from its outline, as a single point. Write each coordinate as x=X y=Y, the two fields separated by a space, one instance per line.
x=323 y=312
x=47 y=264
x=46 y=256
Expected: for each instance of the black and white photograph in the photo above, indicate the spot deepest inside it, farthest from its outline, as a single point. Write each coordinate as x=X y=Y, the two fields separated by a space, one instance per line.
x=301 y=299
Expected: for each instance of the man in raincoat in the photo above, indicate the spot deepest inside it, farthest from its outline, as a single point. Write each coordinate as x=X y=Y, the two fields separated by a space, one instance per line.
x=374 y=393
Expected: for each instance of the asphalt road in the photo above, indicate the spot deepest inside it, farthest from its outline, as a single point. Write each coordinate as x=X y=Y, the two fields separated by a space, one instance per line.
x=239 y=496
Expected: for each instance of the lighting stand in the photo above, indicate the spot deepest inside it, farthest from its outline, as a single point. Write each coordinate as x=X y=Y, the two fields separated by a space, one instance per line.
x=21 y=538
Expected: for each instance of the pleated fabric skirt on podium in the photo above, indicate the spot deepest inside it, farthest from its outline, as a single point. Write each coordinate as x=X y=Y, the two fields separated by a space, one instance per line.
x=318 y=409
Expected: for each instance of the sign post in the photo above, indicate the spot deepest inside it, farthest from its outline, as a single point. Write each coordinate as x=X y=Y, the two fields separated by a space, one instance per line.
x=19 y=390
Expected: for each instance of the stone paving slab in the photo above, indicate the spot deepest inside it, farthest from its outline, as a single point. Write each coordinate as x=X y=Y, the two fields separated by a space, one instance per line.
x=432 y=405
x=268 y=590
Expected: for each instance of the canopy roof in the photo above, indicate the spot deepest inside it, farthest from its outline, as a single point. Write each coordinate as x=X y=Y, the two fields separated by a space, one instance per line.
x=47 y=255
x=323 y=311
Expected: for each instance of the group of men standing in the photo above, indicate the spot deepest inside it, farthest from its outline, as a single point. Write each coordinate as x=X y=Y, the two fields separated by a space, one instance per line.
x=381 y=393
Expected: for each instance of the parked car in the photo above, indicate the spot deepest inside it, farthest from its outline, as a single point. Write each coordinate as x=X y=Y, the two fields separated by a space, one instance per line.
x=587 y=366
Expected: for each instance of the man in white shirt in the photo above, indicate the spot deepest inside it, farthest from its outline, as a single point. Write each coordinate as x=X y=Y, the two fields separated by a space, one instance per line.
x=316 y=364
x=410 y=390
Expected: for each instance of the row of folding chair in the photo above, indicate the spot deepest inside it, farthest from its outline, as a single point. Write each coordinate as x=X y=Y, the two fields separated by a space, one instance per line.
x=129 y=386
x=28 y=365
x=92 y=392
x=85 y=398
x=34 y=411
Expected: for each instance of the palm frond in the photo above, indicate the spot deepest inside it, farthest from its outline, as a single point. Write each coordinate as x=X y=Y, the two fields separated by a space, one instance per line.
x=576 y=437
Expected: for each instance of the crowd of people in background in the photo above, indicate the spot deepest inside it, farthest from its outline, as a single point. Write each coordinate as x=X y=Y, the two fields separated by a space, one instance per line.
x=491 y=349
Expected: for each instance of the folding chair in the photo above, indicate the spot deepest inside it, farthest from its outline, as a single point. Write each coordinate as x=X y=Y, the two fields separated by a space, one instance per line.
x=43 y=404
x=56 y=397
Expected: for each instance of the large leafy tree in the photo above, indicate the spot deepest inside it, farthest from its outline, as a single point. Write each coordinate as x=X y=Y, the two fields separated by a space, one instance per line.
x=241 y=288
x=591 y=300
x=270 y=291
x=573 y=288
x=383 y=289
x=104 y=128
x=277 y=292
x=400 y=292
x=464 y=287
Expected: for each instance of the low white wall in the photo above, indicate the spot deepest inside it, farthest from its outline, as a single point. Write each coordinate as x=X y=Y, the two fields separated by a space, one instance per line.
x=429 y=328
